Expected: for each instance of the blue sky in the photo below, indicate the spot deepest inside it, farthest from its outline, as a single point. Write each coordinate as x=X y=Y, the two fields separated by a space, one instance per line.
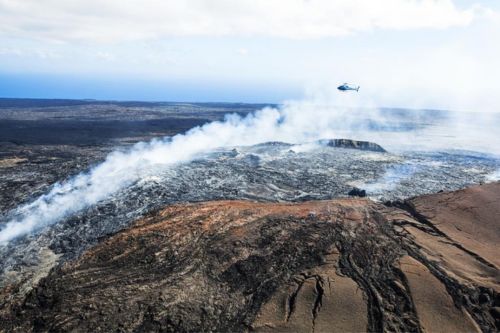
x=430 y=53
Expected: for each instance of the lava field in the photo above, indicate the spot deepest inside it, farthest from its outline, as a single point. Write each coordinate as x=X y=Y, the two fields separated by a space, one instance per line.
x=268 y=172
x=260 y=196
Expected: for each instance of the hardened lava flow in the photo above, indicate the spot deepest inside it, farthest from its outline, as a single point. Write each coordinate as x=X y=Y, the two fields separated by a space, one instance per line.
x=269 y=237
x=316 y=266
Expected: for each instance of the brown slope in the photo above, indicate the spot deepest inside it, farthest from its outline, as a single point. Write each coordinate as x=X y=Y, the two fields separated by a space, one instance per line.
x=469 y=217
x=434 y=306
x=324 y=266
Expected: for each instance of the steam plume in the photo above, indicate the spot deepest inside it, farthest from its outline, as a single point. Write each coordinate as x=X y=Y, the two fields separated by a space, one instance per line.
x=295 y=122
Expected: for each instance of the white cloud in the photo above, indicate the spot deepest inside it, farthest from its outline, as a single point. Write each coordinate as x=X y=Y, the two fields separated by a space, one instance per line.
x=243 y=51
x=118 y=20
x=29 y=52
x=11 y=51
x=105 y=56
x=416 y=65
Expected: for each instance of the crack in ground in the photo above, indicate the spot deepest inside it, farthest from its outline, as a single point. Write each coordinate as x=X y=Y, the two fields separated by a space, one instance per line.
x=318 y=302
x=292 y=300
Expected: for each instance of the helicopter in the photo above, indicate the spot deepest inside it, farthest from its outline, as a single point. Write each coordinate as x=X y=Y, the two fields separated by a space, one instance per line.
x=345 y=87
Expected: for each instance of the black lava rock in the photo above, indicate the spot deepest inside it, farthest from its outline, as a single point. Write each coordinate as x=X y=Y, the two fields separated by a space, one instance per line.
x=356 y=192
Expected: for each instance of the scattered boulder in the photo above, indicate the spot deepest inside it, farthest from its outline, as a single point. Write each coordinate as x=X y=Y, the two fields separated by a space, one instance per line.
x=356 y=192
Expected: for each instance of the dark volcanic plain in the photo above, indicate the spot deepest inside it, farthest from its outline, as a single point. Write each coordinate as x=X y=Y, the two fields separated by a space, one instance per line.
x=262 y=238
x=44 y=141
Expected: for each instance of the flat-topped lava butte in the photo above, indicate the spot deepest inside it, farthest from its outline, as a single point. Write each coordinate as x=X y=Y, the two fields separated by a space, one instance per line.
x=346 y=265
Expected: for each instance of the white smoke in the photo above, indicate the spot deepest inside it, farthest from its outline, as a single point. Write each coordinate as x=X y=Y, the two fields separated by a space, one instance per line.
x=294 y=122
x=392 y=177
x=121 y=169
x=494 y=177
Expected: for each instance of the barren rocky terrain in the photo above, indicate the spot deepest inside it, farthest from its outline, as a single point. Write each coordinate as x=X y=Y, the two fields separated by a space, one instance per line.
x=335 y=235
x=45 y=141
x=320 y=266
